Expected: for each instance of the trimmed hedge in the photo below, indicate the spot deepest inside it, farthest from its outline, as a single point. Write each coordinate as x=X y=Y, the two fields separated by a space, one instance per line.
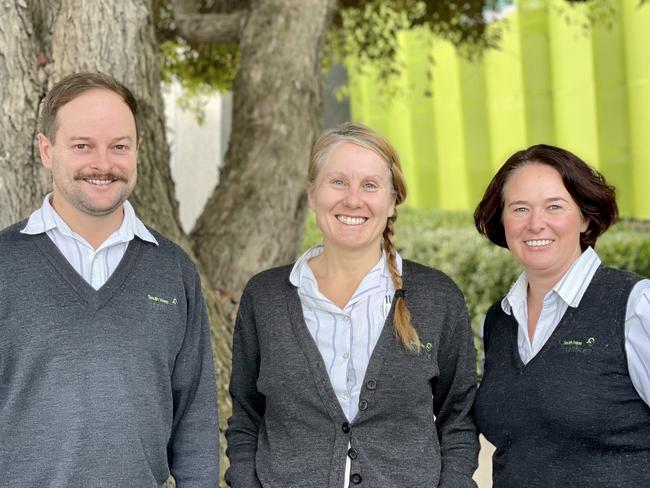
x=484 y=272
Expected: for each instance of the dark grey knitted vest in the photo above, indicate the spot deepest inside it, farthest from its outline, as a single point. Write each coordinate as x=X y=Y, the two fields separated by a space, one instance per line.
x=571 y=417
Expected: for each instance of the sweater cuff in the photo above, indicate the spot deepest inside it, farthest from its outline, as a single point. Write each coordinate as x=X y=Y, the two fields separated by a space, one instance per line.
x=242 y=476
x=455 y=479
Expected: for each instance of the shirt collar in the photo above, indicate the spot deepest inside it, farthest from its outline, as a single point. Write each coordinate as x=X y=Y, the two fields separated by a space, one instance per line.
x=299 y=268
x=302 y=277
x=571 y=287
x=46 y=218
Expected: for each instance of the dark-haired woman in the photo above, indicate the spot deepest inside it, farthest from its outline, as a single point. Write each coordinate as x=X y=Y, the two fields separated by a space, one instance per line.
x=353 y=366
x=566 y=385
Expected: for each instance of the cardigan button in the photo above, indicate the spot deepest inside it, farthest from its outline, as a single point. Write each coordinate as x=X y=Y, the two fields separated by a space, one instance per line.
x=363 y=405
x=355 y=479
x=371 y=384
x=345 y=427
x=353 y=453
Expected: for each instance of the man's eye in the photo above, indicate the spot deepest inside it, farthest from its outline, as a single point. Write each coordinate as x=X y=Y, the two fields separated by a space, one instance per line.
x=121 y=147
x=370 y=186
x=520 y=209
x=337 y=182
x=80 y=146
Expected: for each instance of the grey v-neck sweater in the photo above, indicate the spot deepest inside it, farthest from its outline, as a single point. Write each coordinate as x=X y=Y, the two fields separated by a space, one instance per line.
x=288 y=429
x=108 y=387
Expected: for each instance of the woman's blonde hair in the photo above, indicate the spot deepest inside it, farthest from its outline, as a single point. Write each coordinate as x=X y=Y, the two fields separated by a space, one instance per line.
x=369 y=139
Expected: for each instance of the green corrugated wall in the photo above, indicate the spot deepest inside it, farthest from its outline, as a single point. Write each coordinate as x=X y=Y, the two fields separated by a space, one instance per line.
x=552 y=80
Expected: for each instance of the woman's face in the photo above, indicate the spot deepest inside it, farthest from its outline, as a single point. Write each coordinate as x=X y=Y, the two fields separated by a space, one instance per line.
x=352 y=198
x=542 y=222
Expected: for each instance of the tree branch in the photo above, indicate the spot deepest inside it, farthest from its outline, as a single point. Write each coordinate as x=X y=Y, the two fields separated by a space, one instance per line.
x=212 y=28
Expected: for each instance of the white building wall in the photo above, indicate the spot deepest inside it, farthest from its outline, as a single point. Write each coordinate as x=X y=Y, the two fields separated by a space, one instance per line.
x=197 y=150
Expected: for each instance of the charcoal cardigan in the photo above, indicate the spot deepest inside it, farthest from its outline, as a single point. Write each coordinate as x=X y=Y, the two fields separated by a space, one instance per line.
x=288 y=429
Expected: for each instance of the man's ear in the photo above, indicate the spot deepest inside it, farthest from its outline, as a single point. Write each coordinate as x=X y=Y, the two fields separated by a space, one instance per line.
x=45 y=148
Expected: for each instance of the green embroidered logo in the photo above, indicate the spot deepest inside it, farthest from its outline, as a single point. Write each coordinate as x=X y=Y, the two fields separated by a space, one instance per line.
x=424 y=348
x=578 y=345
x=164 y=301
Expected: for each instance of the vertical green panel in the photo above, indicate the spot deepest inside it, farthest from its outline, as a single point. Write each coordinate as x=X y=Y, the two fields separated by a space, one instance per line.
x=552 y=80
x=476 y=137
x=450 y=150
x=422 y=176
x=533 y=37
x=399 y=118
x=377 y=116
x=611 y=106
x=637 y=61
x=505 y=97
x=360 y=103
x=573 y=82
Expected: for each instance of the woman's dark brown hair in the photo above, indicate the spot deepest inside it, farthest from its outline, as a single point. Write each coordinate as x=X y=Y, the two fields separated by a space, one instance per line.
x=588 y=188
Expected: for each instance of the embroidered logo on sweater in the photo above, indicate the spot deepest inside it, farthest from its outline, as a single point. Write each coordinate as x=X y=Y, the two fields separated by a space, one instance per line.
x=426 y=349
x=582 y=346
x=164 y=301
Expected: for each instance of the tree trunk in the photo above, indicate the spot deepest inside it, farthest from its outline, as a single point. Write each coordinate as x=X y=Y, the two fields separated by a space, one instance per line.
x=254 y=219
x=22 y=182
x=42 y=41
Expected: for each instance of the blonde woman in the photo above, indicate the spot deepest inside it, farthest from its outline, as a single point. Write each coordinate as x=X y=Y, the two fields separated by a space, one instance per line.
x=352 y=366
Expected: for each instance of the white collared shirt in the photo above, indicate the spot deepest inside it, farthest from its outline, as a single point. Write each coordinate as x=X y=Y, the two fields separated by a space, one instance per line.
x=346 y=336
x=567 y=293
x=95 y=266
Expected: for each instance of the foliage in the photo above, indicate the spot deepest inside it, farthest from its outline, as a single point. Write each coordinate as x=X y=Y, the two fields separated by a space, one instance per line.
x=368 y=30
x=365 y=29
x=588 y=15
x=200 y=68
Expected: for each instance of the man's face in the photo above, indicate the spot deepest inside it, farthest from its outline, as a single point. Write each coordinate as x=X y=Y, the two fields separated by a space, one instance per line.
x=94 y=155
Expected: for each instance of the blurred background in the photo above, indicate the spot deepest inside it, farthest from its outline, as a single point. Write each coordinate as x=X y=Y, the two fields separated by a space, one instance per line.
x=575 y=75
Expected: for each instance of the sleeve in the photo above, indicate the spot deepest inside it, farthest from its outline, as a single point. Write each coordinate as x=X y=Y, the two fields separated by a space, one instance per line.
x=637 y=338
x=193 y=449
x=248 y=404
x=453 y=397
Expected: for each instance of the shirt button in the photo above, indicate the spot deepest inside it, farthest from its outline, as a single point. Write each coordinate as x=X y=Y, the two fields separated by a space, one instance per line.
x=346 y=355
x=363 y=405
x=353 y=453
x=355 y=479
x=345 y=427
x=345 y=396
x=371 y=384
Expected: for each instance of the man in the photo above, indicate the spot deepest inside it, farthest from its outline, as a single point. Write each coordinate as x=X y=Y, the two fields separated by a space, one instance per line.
x=106 y=373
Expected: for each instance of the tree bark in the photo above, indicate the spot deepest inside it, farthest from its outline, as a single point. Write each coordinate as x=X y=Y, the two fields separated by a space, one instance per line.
x=22 y=182
x=212 y=28
x=220 y=27
x=254 y=219
x=42 y=41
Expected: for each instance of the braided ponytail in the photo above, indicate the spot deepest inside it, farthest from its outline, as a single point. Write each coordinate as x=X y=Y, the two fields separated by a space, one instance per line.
x=404 y=330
